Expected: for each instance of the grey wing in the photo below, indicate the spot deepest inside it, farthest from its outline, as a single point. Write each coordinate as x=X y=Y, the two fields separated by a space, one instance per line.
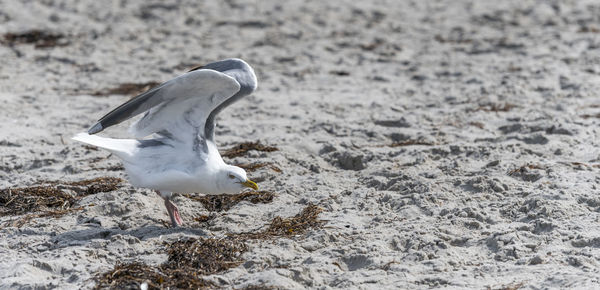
x=244 y=75
x=179 y=106
x=131 y=108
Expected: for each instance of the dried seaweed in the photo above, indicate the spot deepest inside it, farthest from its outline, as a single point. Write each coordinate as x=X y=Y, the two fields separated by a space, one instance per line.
x=411 y=142
x=580 y=165
x=526 y=173
x=250 y=167
x=477 y=124
x=242 y=148
x=39 y=38
x=260 y=287
x=206 y=256
x=298 y=224
x=203 y=218
x=117 y=167
x=588 y=29
x=51 y=198
x=286 y=227
x=15 y=201
x=223 y=202
x=372 y=45
x=133 y=275
x=583 y=164
x=90 y=147
x=524 y=168
x=245 y=24
x=189 y=259
x=341 y=73
x=513 y=286
x=130 y=89
x=493 y=107
x=130 y=276
x=587 y=116
x=452 y=40
x=96 y=185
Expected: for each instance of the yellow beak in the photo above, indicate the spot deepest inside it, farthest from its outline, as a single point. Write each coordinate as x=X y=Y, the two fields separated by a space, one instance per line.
x=250 y=183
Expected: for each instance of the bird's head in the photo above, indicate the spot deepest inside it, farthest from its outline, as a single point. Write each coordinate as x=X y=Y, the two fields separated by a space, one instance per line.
x=232 y=179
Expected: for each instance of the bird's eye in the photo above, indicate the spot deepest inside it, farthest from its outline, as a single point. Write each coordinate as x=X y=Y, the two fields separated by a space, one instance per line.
x=231 y=176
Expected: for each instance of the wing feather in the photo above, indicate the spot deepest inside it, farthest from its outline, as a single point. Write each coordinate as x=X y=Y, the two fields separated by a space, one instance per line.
x=179 y=106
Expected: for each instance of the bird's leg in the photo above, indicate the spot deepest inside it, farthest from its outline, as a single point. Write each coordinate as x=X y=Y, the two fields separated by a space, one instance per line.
x=172 y=210
x=173 y=213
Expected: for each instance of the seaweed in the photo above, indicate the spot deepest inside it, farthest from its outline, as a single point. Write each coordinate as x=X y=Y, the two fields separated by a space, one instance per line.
x=133 y=275
x=206 y=255
x=286 y=227
x=260 y=287
x=117 y=167
x=245 y=24
x=130 y=276
x=526 y=172
x=493 y=107
x=341 y=73
x=477 y=124
x=512 y=286
x=524 y=168
x=90 y=147
x=250 y=167
x=580 y=165
x=96 y=185
x=242 y=148
x=39 y=38
x=189 y=258
x=452 y=40
x=411 y=142
x=130 y=89
x=223 y=202
x=204 y=218
x=15 y=201
x=588 y=29
x=50 y=198
x=587 y=116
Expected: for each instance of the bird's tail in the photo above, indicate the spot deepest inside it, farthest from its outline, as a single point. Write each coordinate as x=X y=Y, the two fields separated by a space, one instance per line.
x=124 y=148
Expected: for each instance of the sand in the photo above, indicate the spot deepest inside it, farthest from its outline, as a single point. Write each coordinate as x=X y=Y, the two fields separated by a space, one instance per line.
x=450 y=144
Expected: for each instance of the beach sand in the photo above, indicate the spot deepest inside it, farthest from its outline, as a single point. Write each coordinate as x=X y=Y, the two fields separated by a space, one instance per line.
x=448 y=144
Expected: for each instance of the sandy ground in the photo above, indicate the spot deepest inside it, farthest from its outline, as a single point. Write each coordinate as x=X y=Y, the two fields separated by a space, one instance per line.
x=449 y=143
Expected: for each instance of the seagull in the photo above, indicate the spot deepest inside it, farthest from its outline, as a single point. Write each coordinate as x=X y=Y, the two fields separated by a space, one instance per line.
x=173 y=149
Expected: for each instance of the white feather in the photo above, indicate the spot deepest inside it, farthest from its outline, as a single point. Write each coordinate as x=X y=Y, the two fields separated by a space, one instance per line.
x=124 y=148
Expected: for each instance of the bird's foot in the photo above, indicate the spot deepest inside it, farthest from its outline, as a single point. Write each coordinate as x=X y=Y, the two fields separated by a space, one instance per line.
x=176 y=220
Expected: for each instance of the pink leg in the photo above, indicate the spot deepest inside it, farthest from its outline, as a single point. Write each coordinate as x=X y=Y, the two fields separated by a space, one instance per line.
x=173 y=213
x=172 y=210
